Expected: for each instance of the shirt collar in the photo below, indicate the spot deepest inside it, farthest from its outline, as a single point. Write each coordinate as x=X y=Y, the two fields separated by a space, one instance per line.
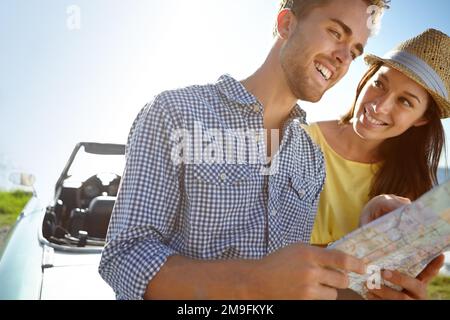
x=236 y=92
x=298 y=113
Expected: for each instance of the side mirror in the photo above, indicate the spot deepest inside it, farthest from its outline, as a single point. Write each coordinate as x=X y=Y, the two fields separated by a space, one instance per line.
x=22 y=179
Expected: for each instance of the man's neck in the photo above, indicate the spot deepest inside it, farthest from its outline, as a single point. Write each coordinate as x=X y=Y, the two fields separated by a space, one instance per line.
x=269 y=86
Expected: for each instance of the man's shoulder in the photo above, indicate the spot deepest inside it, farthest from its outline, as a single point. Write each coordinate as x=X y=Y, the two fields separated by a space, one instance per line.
x=191 y=101
x=308 y=151
x=188 y=96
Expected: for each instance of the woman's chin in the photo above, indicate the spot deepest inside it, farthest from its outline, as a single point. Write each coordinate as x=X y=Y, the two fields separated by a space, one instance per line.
x=364 y=133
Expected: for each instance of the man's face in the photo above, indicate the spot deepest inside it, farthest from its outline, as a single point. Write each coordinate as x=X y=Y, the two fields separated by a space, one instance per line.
x=320 y=47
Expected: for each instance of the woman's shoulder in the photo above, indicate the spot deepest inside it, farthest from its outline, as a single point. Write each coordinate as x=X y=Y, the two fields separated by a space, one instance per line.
x=327 y=126
x=323 y=128
x=316 y=132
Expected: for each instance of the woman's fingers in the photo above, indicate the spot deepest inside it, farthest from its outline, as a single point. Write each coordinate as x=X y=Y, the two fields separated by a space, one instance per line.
x=380 y=206
x=371 y=296
x=412 y=287
x=386 y=293
x=432 y=270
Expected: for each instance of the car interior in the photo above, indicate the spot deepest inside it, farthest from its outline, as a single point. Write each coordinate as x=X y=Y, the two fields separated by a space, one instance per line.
x=80 y=215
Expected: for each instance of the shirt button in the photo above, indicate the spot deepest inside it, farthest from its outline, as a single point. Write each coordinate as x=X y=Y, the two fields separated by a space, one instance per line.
x=256 y=108
x=301 y=192
x=223 y=176
x=273 y=213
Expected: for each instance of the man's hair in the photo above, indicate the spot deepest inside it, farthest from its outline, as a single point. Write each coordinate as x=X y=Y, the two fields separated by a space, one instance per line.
x=302 y=7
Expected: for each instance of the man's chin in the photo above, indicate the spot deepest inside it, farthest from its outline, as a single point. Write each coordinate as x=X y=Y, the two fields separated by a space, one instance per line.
x=311 y=97
x=307 y=91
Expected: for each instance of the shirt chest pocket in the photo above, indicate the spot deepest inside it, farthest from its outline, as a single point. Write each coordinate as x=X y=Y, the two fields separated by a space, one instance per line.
x=305 y=189
x=297 y=205
x=221 y=197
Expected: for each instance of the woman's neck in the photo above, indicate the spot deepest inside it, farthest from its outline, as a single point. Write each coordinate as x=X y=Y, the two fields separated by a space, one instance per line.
x=344 y=141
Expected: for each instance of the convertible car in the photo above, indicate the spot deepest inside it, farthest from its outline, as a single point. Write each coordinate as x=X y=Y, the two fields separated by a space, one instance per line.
x=53 y=251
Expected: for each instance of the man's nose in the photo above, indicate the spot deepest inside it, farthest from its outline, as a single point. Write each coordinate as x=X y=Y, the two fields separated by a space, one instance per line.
x=343 y=55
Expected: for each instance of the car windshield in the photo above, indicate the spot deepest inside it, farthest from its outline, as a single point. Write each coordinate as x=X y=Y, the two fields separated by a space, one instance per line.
x=86 y=165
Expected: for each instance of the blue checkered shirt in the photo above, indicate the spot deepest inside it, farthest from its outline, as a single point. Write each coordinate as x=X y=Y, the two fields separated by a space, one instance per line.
x=206 y=211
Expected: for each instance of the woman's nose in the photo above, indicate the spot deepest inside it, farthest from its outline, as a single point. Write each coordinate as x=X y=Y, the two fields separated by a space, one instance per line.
x=382 y=106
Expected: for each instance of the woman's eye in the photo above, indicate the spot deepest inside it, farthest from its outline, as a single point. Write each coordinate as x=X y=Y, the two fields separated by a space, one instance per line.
x=354 y=55
x=405 y=102
x=378 y=84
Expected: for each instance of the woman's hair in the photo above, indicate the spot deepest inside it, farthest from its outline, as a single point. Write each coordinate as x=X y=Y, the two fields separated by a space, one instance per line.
x=410 y=161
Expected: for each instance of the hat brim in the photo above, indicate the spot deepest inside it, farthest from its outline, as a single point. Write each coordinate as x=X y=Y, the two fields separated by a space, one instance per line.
x=443 y=104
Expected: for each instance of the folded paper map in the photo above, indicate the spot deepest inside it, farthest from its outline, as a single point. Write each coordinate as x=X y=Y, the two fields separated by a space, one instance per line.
x=405 y=240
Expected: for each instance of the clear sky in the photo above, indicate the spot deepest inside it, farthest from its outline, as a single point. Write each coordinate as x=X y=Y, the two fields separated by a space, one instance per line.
x=60 y=84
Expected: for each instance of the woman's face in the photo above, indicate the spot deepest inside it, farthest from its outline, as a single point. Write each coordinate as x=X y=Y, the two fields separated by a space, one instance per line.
x=389 y=105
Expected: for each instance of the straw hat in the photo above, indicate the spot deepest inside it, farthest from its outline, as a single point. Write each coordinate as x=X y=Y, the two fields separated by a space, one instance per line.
x=426 y=60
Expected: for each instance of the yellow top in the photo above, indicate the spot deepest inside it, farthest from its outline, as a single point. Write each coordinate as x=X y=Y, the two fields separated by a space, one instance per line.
x=345 y=192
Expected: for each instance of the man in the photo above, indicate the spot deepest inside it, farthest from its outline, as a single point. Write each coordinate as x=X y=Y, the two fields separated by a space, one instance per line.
x=188 y=224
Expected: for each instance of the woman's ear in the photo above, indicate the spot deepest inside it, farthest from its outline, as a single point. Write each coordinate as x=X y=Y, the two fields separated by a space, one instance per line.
x=421 y=122
x=284 y=23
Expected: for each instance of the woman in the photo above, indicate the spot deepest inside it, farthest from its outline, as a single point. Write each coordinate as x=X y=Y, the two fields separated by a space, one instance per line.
x=390 y=142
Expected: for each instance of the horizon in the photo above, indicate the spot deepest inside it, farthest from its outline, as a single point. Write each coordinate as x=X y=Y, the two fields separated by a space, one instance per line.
x=81 y=70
